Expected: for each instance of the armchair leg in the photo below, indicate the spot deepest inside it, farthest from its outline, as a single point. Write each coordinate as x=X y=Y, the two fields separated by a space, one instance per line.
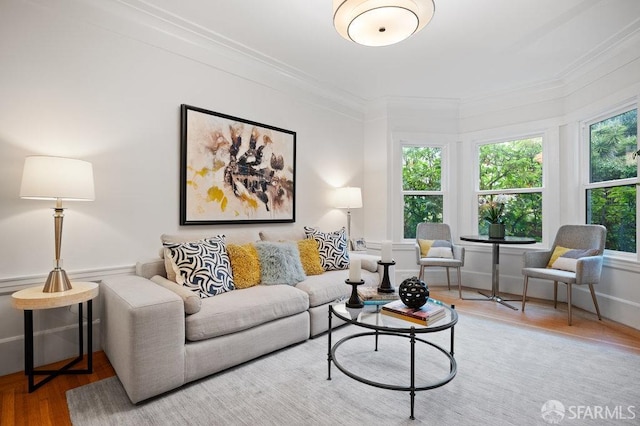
x=459 y=284
x=595 y=301
x=524 y=291
x=569 y=301
x=421 y=272
x=448 y=279
x=555 y=294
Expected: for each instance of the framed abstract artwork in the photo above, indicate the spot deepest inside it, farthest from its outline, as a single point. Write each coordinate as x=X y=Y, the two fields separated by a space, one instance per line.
x=234 y=170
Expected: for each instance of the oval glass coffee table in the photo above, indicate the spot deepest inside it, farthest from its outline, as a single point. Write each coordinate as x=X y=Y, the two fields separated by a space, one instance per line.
x=379 y=325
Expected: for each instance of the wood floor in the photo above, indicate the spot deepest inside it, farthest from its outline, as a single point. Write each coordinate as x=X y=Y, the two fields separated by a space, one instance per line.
x=48 y=406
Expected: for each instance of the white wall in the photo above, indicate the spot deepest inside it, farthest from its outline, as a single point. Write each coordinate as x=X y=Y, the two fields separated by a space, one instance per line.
x=105 y=90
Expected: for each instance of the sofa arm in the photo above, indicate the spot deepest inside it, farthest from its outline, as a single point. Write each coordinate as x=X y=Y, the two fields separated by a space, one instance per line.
x=143 y=335
x=369 y=262
x=192 y=302
x=150 y=268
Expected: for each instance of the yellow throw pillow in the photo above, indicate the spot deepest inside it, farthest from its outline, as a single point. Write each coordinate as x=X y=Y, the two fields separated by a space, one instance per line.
x=557 y=252
x=435 y=248
x=566 y=259
x=310 y=257
x=245 y=265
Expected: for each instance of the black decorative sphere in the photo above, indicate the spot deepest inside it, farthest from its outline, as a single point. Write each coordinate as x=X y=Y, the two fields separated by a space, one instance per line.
x=413 y=292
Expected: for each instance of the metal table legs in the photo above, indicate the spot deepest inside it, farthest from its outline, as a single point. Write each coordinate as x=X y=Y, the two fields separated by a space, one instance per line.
x=31 y=372
x=495 y=281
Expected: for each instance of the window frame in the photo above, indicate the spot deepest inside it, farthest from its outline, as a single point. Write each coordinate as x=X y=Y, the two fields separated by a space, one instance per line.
x=444 y=182
x=541 y=189
x=585 y=167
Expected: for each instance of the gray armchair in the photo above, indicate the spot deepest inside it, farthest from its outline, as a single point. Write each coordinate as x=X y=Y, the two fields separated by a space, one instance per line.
x=587 y=269
x=439 y=231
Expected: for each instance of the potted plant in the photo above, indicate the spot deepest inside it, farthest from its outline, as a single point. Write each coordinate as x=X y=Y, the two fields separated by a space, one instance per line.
x=492 y=210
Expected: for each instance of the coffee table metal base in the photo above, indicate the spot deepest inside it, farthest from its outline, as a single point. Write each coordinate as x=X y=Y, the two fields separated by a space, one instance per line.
x=413 y=339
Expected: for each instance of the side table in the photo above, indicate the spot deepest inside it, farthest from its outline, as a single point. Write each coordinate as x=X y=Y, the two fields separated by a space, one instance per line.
x=495 y=266
x=34 y=298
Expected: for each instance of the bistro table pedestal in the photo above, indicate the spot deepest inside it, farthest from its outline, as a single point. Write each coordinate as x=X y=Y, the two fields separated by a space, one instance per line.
x=495 y=270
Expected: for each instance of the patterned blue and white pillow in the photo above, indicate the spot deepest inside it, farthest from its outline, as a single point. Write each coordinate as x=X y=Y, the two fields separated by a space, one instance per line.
x=333 y=248
x=203 y=266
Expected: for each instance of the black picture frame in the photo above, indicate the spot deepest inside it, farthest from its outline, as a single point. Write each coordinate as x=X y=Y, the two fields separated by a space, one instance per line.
x=234 y=171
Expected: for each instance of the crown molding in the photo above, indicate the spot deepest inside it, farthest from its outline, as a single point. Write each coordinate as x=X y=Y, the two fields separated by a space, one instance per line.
x=255 y=66
x=141 y=22
x=145 y=23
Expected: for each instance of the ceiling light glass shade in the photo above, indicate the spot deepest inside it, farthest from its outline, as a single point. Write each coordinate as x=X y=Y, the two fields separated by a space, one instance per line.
x=380 y=22
x=52 y=178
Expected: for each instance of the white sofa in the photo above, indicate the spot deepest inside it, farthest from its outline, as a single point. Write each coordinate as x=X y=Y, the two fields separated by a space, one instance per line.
x=159 y=336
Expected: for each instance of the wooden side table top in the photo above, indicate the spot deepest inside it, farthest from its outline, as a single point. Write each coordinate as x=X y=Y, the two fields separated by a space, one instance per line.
x=34 y=298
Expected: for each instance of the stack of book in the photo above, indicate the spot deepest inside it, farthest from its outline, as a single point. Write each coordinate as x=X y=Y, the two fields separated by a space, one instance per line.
x=370 y=296
x=427 y=314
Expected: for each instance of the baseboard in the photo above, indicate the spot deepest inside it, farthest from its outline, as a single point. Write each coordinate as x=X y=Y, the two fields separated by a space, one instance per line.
x=50 y=345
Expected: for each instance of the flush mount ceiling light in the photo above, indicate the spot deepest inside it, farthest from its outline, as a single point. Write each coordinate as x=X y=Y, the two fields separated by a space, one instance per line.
x=380 y=22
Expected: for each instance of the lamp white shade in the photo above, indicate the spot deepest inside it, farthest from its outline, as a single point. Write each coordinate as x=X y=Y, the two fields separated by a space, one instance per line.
x=381 y=22
x=348 y=197
x=52 y=178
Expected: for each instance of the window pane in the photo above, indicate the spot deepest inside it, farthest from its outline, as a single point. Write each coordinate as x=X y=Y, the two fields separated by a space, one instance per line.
x=612 y=144
x=421 y=168
x=511 y=165
x=522 y=215
x=615 y=208
x=421 y=208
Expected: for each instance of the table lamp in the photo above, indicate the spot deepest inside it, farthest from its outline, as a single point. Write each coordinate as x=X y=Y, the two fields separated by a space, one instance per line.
x=348 y=198
x=56 y=178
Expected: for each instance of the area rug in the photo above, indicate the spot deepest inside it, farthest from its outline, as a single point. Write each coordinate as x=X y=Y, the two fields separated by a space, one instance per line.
x=507 y=375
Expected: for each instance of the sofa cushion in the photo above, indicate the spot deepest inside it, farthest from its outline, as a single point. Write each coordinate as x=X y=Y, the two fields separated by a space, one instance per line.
x=203 y=266
x=237 y=236
x=279 y=263
x=330 y=286
x=334 y=252
x=310 y=257
x=245 y=264
x=292 y=234
x=242 y=309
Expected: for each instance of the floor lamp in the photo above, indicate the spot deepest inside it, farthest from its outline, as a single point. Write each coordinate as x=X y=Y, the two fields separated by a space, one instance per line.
x=349 y=198
x=56 y=178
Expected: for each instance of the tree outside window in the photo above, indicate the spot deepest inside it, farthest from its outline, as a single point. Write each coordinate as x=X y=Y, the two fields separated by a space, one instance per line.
x=613 y=169
x=421 y=186
x=512 y=171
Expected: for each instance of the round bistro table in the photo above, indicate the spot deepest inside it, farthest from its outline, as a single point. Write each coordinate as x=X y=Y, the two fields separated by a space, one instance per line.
x=495 y=269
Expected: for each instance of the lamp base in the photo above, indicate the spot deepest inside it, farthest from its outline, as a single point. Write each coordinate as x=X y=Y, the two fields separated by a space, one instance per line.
x=57 y=281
